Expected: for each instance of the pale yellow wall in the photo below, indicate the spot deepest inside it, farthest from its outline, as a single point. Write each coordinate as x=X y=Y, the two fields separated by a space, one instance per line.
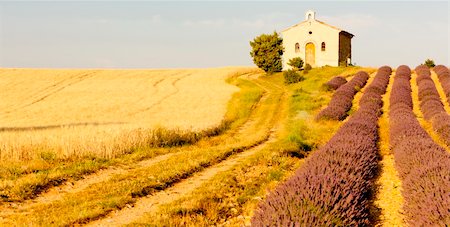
x=320 y=33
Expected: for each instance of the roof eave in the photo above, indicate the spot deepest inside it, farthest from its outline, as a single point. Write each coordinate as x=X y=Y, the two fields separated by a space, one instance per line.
x=323 y=23
x=347 y=33
x=293 y=26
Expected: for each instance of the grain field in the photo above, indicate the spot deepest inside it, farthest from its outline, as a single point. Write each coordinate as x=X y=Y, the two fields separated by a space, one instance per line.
x=91 y=112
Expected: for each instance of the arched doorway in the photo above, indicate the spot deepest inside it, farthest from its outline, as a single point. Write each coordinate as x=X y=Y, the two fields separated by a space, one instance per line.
x=310 y=51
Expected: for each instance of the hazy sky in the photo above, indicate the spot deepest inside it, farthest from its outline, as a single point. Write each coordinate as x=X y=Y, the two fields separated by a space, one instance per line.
x=111 y=34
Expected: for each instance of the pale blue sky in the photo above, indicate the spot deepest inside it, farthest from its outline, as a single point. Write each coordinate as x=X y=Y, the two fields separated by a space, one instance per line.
x=111 y=34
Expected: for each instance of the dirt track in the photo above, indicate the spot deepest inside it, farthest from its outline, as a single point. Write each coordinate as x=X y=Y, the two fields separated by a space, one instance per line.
x=149 y=203
x=152 y=202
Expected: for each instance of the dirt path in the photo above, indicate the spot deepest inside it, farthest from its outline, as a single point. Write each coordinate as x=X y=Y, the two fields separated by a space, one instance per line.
x=58 y=192
x=389 y=200
x=152 y=202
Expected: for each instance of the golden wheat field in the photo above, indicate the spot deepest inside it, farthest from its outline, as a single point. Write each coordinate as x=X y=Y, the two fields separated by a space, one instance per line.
x=83 y=112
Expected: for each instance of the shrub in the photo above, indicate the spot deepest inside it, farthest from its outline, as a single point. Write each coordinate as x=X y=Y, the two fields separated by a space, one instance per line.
x=267 y=51
x=292 y=76
x=429 y=63
x=333 y=187
x=296 y=63
x=423 y=165
x=307 y=68
x=335 y=83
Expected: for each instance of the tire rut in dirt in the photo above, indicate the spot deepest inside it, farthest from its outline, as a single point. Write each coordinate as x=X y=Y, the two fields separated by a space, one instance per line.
x=49 y=91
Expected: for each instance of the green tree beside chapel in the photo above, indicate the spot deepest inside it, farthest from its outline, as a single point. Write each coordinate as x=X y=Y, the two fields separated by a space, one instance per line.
x=267 y=51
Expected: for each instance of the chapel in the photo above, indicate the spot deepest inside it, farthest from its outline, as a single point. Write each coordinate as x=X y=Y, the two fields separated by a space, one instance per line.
x=317 y=43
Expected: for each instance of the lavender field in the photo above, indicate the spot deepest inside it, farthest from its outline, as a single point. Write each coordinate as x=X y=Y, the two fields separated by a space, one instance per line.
x=337 y=184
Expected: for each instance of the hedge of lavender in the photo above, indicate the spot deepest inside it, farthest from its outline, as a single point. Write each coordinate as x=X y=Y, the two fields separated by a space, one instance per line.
x=444 y=77
x=431 y=104
x=341 y=102
x=335 y=83
x=423 y=165
x=334 y=186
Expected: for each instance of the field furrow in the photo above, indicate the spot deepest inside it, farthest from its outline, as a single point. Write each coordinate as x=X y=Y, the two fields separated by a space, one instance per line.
x=441 y=91
x=388 y=198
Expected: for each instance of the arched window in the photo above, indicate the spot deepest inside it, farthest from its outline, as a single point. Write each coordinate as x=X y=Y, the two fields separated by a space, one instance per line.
x=297 y=48
x=323 y=46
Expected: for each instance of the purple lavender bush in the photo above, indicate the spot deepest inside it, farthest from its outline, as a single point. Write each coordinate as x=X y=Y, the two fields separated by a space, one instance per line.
x=431 y=104
x=341 y=101
x=335 y=83
x=444 y=77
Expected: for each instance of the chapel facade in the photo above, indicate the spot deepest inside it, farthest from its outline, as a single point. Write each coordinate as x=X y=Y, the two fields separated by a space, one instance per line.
x=317 y=43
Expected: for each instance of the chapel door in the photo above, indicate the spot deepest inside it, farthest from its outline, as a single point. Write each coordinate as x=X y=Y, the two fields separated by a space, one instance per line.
x=310 y=57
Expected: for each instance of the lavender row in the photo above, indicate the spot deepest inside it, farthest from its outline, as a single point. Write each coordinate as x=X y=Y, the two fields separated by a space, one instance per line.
x=422 y=164
x=431 y=104
x=444 y=77
x=341 y=102
x=335 y=83
x=430 y=101
x=333 y=187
